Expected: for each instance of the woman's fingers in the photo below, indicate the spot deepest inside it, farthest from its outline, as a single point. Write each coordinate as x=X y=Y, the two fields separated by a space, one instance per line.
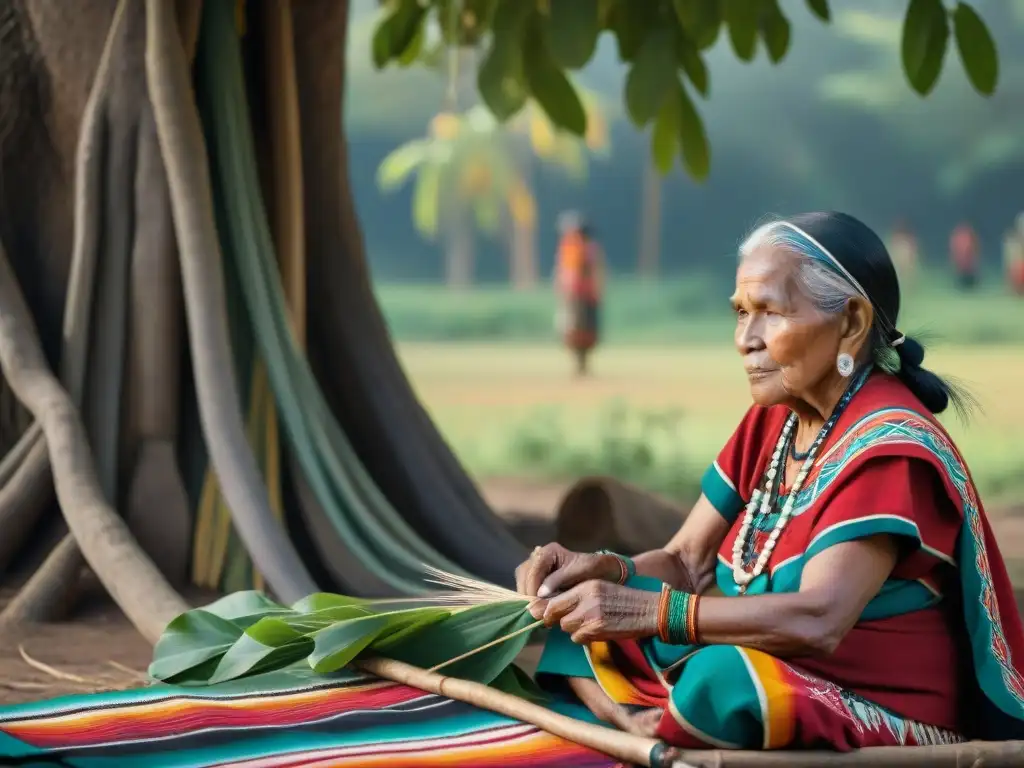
x=537 y=608
x=560 y=606
x=543 y=560
x=579 y=569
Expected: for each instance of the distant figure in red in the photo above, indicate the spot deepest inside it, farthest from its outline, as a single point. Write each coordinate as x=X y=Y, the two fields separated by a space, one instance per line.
x=1013 y=256
x=579 y=280
x=963 y=251
x=903 y=249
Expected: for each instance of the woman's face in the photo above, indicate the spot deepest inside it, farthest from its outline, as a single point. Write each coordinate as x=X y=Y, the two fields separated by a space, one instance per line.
x=789 y=346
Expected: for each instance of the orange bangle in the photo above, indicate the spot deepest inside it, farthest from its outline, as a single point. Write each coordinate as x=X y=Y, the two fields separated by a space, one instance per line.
x=666 y=592
x=691 y=620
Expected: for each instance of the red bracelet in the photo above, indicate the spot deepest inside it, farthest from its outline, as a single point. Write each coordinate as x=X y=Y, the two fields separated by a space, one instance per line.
x=691 y=620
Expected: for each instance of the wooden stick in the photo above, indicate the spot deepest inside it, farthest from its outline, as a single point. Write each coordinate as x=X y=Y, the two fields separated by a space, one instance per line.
x=971 y=754
x=485 y=646
x=635 y=750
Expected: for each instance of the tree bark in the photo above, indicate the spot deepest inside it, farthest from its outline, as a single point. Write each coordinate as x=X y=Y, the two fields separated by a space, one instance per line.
x=184 y=153
x=349 y=344
x=128 y=575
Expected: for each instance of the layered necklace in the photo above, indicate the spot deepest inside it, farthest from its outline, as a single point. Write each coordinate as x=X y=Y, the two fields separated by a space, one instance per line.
x=766 y=500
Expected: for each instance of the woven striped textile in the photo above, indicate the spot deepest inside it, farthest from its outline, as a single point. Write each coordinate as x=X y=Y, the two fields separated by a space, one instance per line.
x=279 y=720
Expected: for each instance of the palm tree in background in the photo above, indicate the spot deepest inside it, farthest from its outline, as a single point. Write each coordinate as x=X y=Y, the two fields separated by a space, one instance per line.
x=464 y=181
x=532 y=136
x=649 y=247
x=473 y=174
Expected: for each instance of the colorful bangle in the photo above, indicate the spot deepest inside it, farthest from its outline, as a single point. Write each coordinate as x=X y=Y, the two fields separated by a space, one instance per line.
x=627 y=567
x=678 y=605
x=691 y=621
x=666 y=593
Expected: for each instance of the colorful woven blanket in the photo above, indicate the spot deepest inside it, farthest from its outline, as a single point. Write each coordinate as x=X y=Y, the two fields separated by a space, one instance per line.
x=283 y=719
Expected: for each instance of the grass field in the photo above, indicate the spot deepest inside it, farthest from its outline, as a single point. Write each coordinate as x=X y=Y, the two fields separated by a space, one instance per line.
x=682 y=310
x=657 y=415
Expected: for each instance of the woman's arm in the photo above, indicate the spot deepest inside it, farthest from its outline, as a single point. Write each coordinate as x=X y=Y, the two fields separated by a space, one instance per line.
x=688 y=561
x=836 y=586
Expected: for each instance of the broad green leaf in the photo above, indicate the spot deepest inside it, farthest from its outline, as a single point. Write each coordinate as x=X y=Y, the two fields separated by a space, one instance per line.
x=665 y=136
x=775 y=29
x=274 y=632
x=741 y=17
x=244 y=608
x=193 y=638
x=249 y=656
x=516 y=682
x=396 y=168
x=820 y=9
x=630 y=22
x=467 y=630
x=500 y=80
x=651 y=77
x=426 y=200
x=340 y=643
x=547 y=82
x=573 y=27
x=692 y=138
x=693 y=65
x=925 y=37
x=319 y=601
x=414 y=50
x=700 y=20
x=977 y=49
x=380 y=48
x=397 y=32
x=396 y=638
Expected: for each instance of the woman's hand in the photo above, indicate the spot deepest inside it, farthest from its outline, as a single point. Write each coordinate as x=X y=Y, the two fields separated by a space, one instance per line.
x=553 y=568
x=601 y=610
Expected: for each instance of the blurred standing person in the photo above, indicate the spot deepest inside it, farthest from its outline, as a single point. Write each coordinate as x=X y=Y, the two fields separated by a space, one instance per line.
x=579 y=281
x=1013 y=256
x=903 y=248
x=963 y=251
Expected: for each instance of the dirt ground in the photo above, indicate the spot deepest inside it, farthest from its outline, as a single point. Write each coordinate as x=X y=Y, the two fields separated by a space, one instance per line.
x=98 y=649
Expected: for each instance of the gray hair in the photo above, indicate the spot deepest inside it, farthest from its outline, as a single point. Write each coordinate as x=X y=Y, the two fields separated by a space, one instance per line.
x=828 y=290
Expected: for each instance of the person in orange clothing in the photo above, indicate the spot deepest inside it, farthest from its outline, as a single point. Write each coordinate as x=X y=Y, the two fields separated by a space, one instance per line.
x=1013 y=256
x=579 y=281
x=963 y=251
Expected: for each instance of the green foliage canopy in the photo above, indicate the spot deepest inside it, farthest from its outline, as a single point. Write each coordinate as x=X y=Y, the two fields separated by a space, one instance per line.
x=530 y=44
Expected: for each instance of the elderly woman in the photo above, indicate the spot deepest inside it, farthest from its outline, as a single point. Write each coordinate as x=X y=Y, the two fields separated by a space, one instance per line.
x=861 y=598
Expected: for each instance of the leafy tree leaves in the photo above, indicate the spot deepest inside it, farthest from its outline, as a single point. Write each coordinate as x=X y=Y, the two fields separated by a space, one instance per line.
x=529 y=44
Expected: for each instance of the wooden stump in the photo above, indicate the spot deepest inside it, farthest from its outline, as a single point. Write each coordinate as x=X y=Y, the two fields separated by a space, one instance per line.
x=602 y=512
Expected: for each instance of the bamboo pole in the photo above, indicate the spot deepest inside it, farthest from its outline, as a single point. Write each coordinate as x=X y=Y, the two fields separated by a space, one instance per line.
x=638 y=750
x=971 y=754
x=635 y=750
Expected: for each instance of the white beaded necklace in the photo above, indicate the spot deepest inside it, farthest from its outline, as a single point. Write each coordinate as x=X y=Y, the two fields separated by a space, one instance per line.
x=766 y=498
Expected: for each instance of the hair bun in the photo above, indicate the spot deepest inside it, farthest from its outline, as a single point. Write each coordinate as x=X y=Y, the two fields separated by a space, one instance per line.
x=931 y=390
x=911 y=352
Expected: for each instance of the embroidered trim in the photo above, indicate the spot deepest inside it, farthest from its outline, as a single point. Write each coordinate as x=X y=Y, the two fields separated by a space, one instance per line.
x=893 y=426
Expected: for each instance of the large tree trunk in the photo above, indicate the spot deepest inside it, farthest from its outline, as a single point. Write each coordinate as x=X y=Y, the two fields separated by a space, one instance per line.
x=349 y=345
x=128 y=575
x=184 y=152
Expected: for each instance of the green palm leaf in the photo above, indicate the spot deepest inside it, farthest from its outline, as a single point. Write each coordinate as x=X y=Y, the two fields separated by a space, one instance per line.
x=401 y=162
x=201 y=647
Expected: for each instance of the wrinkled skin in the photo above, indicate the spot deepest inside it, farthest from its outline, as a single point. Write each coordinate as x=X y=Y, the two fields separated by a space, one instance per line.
x=789 y=349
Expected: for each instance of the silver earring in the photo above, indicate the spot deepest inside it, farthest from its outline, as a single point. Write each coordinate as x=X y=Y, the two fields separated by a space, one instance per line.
x=844 y=364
